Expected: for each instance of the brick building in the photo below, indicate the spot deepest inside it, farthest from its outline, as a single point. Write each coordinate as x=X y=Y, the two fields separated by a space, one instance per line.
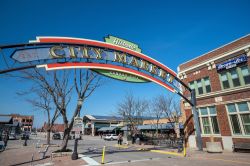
x=26 y=121
x=221 y=79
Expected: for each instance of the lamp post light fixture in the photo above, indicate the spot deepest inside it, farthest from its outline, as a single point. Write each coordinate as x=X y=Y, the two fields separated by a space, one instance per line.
x=79 y=101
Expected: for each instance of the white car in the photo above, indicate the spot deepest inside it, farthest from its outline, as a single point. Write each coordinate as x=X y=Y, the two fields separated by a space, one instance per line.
x=111 y=137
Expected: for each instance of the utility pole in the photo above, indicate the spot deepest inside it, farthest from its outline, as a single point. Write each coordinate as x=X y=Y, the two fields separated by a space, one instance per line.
x=196 y=121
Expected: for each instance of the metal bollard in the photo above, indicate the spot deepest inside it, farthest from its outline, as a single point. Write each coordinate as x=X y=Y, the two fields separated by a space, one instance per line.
x=75 y=154
x=103 y=154
x=184 y=150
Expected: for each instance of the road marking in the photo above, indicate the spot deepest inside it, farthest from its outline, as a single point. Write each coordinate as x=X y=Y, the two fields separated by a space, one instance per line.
x=166 y=152
x=121 y=146
x=232 y=161
x=131 y=161
x=89 y=160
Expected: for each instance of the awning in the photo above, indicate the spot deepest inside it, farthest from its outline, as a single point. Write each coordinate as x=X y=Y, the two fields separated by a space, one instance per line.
x=107 y=128
x=154 y=126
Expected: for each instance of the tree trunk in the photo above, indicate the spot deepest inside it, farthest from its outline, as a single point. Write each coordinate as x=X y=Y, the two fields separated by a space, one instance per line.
x=48 y=137
x=65 y=140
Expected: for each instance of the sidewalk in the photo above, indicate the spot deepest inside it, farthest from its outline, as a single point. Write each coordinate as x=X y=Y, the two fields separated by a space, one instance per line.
x=23 y=156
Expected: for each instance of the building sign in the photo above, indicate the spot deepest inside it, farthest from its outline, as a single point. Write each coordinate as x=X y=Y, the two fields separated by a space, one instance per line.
x=122 y=63
x=78 y=124
x=123 y=43
x=232 y=63
x=121 y=76
x=92 y=54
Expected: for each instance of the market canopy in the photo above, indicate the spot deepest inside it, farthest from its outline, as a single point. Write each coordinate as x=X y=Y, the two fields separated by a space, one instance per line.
x=107 y=128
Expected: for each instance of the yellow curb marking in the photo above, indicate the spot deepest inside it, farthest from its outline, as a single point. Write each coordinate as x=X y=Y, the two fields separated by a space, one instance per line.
x=121 y=146
x=166 y=152
x=238 y=162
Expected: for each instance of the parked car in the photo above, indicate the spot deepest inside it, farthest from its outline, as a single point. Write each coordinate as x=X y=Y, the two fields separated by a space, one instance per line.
x=25 y=134
x=34 y=134
x=12 y=135
x=56 y=136
x=111 y=137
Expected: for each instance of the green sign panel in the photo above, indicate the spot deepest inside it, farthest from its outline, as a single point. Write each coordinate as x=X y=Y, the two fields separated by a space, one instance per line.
x=123 y=43
x=121 y=76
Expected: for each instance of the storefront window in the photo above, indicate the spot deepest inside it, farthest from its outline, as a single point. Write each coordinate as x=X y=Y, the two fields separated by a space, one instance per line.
x=206 y=125
x=239 y=115
x=231 y=108
x=208 y=120
x=246 y=122
x=215 y=125
x=243 y=106
x=235 y=124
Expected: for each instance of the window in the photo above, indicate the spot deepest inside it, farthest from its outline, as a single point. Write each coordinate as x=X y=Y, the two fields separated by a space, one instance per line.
x=235 y=124
x=191 y=85
x=239 y=116
x=201 y=86
x=246 y=74
x=207 y=84
x=208 y=120
x=224 y=80
x=235 y=78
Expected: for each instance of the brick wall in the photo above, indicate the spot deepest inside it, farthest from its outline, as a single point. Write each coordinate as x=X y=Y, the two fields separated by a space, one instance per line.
x=241 y=42
x=201 y=72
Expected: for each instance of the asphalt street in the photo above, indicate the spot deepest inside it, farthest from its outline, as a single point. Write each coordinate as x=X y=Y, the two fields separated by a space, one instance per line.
x=92 y=147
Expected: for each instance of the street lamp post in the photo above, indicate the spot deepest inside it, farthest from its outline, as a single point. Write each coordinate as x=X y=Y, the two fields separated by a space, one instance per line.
x=196 y=121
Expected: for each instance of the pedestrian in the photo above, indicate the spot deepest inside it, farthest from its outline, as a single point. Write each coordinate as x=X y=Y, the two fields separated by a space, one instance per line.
x=5 y=138
x=101 y=135
x=120 y=139
x=133 y=138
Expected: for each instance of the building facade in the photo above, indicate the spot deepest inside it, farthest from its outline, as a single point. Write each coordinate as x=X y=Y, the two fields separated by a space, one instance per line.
x=92 y=123
x=26 y=121
x=221 y=80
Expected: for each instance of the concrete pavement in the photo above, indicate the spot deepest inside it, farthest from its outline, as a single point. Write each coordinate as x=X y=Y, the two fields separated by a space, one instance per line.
x=17 y=154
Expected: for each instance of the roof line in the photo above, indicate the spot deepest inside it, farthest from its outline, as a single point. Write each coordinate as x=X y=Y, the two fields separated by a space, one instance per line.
x=215 y=49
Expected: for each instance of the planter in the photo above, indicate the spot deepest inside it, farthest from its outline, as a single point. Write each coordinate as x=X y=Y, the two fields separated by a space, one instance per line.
x=60 y=154
x=214 y=147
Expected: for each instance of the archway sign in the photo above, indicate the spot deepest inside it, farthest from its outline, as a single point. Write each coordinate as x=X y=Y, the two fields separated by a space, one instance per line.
x=115 y=57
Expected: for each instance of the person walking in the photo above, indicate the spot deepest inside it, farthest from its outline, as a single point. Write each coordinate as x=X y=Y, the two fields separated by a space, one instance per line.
x=120 y=139
x=5 y=138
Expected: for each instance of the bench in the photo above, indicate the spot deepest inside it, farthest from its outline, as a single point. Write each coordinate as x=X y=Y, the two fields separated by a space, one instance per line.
x=241 y=146
x=43 y=152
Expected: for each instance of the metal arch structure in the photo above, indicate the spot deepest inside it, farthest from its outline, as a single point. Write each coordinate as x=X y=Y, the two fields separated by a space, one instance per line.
x=112 y=60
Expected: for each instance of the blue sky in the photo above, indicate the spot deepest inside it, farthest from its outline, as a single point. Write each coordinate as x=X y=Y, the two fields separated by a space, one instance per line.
x=171 y=32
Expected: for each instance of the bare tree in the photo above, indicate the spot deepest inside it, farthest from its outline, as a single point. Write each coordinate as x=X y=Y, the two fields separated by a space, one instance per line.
x=170 y=108
x=57 y=85
x=44 y=102
x=156 y=111
x=132 y=110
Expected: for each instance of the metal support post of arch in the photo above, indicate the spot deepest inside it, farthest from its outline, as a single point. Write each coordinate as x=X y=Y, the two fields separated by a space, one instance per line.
x=196 y=121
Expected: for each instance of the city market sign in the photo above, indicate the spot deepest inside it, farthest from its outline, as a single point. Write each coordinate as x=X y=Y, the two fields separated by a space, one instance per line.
x=108 y=59
x=123 y=43
x=232 y=63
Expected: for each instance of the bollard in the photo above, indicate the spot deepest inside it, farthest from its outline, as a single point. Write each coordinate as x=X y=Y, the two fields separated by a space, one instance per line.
x=184 y=151
x=103 y=154
x=74 y=155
